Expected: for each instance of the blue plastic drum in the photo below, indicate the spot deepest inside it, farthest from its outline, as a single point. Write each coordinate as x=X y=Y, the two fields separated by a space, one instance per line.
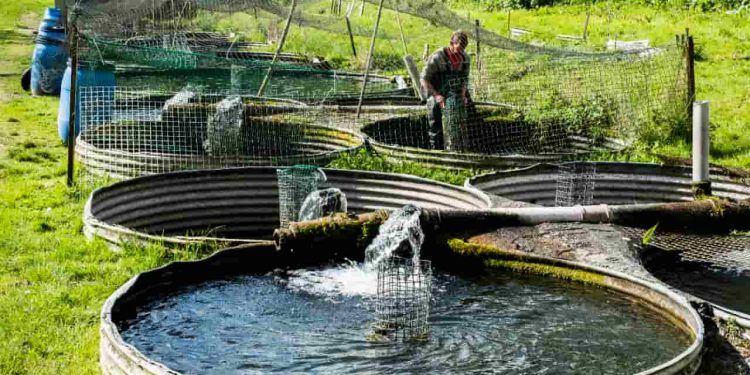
x=48 y=61
x=99 y=81
x=52 y=18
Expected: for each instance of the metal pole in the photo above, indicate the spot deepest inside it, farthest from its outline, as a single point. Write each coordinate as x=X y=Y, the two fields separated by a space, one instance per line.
x=362 y=8
x=401 y=30
x=72 y=115
x=278 y=49
x=701 y=147
x=351 y=37
x=369 y=58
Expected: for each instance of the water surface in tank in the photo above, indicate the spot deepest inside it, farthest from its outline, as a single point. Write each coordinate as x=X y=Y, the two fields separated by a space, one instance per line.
x=497 y=321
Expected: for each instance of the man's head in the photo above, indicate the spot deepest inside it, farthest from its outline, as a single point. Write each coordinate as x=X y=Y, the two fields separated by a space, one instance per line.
x=459 y=40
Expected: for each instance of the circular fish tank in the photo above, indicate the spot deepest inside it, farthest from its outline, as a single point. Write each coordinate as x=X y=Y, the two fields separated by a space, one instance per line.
x=496 y=141
x=611 y=183
x=133 y=136
x=242 y=204
x=712 y=268
x=255 y=309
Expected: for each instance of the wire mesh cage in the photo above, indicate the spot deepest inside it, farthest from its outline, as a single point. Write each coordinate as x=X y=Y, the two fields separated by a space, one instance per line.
x=402 y=306
x=127 y=132
x=575 y=184
x=296 y=183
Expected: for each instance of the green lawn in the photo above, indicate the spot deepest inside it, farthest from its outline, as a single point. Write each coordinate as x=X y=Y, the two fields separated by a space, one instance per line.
x=53 y=281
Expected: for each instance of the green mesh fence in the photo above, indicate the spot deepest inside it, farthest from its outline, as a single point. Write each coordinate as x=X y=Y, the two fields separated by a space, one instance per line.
x=521 y=99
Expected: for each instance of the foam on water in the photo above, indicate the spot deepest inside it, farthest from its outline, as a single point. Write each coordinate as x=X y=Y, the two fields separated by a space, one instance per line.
x=350 y=279
x=401 y=235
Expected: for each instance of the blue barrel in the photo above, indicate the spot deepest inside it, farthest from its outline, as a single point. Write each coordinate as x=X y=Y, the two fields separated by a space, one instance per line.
x=48 y=61
x=99 y=97
x=52 y=18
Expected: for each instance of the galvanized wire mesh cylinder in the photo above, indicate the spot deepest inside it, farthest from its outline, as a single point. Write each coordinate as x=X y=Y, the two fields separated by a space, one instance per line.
x=402 y=307
x=455 y=119
x=575 y=184
x=295 y=184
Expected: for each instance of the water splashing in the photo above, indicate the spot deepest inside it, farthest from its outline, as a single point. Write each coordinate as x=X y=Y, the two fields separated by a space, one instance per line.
x=321 y=203
x=401 y=235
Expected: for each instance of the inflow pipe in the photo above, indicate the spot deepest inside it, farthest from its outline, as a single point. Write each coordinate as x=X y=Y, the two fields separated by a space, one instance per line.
x=708 y=216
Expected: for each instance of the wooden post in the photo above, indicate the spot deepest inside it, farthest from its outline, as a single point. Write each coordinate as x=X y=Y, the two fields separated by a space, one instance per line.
x=586 y=25
x=72 y=115
x=690 y=70
x=278 y=49
x=369 y=58
x=401 y=30
x=509 y=34
x=351 y=36
x=476 y=36
x=411 y=68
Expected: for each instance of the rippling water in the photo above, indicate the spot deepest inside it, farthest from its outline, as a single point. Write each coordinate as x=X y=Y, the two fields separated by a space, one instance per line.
x=505 y=323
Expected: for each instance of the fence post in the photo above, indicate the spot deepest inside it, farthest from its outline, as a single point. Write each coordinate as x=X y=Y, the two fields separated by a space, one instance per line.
x=701 y=144
x=73 y=50
x=690 y=70
x=369 y=58
x=401 y=30
x=278 y=49
x=351 y=36
x=476 y=32
x=586 y=25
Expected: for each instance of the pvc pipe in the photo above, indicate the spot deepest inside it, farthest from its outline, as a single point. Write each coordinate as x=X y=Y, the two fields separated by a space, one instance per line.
x=578 y=214
x=700 y=141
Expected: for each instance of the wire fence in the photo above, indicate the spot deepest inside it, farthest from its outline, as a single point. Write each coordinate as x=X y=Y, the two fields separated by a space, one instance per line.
x=127 y=133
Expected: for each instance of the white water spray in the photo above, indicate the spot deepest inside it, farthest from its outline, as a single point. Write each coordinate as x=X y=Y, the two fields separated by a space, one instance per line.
x=401 y=235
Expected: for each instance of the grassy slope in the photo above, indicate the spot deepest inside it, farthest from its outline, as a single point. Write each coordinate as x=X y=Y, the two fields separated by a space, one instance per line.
x=53 y=281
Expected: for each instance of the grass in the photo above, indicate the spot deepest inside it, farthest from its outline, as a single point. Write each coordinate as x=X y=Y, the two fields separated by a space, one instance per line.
x=53 y=281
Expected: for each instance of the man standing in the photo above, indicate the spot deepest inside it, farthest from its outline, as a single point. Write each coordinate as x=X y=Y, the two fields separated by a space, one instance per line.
x=445 y=74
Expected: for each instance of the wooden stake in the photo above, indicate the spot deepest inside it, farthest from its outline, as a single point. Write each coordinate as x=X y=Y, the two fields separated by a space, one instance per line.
x=476 y=35
x=690 y=65
x=72 y=115
x=351 y=36
x=586 y=25
x=369 y=58
x=401 y=30
x=509 y=34
x=278 y=48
